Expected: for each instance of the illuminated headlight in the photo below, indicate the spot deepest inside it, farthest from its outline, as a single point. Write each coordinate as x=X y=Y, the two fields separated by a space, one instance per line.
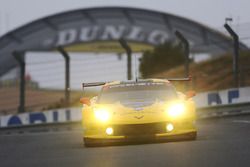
x=176 y=110
x=102 y=114
x=109 y=131
x=169 y=127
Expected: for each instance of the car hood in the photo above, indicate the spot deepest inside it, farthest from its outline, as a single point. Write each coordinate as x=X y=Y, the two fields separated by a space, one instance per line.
x=136 y=114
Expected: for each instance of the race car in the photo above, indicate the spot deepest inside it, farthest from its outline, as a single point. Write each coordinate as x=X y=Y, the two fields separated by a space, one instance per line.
x=138 y=111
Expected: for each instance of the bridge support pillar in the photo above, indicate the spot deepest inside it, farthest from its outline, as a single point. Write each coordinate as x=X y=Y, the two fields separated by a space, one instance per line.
x=236 y=54
x=128 y=50
x=185 y=43
x=20 y=57
x=67 y=75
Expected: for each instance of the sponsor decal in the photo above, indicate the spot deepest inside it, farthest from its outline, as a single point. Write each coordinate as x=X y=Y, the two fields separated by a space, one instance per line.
x=139 y=117
x=137 y=84
x=216 y=98
x=138 y=108
x=53 y=116
x=108 y=32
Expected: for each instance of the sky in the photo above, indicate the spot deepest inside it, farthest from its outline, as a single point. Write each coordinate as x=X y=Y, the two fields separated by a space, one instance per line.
x=15 y=13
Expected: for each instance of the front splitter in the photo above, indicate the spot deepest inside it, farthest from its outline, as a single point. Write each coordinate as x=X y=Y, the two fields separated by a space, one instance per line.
x=143 y=139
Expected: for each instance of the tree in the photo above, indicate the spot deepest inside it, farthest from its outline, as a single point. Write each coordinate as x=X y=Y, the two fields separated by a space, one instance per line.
x=163 y=57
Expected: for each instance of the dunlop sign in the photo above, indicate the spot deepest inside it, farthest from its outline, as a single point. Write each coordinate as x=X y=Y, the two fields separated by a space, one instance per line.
x=107 y=33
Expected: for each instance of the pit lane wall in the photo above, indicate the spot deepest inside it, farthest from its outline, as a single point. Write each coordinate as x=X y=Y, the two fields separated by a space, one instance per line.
x=213 y=98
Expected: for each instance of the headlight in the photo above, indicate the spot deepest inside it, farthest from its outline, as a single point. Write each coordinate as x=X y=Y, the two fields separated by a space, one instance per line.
x=109 y=131
x=176 y=110
x=169 y=127
x=102 y=114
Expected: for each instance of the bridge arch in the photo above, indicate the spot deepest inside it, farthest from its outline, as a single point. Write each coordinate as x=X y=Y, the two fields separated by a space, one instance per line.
x=96 y=29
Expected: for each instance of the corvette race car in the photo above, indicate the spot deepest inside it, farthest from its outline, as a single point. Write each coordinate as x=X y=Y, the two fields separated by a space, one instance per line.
x=135 y=111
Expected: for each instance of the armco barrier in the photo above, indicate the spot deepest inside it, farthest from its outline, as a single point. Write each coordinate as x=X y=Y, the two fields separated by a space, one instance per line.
x=32 y=118
x=223 y=110
x=209 y=104
x=223 y=97
x=73 y=115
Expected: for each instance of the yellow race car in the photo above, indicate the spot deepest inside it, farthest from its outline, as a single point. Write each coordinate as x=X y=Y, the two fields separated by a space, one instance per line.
x=137 y=111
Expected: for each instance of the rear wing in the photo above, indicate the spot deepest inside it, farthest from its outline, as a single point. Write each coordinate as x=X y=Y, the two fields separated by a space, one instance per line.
x=180 y=79
x=92 y=84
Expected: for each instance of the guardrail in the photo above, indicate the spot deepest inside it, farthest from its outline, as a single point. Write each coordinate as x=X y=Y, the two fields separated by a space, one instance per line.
x=65 y=115
x=223 y=110
x=209 y=104
x=223 y=97
x=73 y=115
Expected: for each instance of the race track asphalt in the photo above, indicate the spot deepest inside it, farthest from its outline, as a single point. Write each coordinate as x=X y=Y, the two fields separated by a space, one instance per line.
x=223 y=142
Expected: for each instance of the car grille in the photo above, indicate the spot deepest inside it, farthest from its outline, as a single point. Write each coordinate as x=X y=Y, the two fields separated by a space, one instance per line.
x=139 y=129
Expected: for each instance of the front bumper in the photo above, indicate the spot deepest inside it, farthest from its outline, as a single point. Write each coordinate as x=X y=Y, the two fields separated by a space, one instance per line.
x=138 y=133
x=118 y=140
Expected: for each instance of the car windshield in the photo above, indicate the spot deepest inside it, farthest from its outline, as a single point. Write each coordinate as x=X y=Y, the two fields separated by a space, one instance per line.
x=137 y=93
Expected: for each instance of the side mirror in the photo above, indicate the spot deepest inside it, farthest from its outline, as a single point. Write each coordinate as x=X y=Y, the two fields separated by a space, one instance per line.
x=85 y=100
x=190 y=94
